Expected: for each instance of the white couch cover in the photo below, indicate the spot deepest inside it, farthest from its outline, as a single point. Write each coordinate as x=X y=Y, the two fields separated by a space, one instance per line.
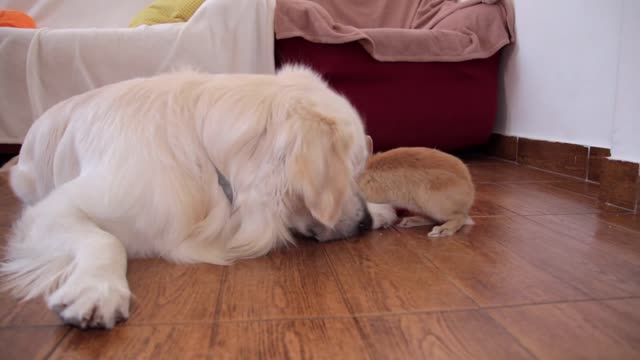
x=81 y=45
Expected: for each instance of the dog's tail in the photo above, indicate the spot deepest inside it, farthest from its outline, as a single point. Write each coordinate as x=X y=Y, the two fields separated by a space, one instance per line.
x=31 y=268
x=23 y=183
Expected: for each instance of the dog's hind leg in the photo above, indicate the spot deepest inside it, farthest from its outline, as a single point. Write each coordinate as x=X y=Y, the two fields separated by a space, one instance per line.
x=57 y=250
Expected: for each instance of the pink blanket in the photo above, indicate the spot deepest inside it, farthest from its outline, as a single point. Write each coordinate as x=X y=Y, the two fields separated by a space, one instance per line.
x=402 y=30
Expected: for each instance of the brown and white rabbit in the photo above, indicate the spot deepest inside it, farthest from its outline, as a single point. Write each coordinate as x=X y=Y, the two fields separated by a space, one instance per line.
x=434 y=186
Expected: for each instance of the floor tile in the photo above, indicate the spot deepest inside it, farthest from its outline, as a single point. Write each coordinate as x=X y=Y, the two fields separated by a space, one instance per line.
x=293 y=282
x=485 y=205
x=29 y=342
x=289 y=339
x=380 y=273
x=488 y=272
x=628 y=221
x=137 y=342
x=167 y=292
x=280 y=339
x=594 y=272
x=452 y=335
x=540 y=199
x=32 y=312
x=504 y=172
x=586 y=330
x=579 y=187
x=599 y=235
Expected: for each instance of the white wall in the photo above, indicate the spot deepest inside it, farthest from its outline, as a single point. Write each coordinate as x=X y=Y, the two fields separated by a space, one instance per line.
x=570 y=75
x=625 y=139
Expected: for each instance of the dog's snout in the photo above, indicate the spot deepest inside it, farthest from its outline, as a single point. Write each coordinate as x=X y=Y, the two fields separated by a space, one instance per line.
x=366 y=222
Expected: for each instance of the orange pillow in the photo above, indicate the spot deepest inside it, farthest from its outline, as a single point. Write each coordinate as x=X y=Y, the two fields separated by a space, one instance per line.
x=17 y=19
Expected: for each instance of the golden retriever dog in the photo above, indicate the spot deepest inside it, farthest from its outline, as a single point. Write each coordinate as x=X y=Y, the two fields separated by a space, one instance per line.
x=431 y=184
x=186 y=166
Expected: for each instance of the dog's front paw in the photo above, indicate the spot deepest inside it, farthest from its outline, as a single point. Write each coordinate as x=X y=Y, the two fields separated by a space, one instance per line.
x=91 y=302
x=383 y=215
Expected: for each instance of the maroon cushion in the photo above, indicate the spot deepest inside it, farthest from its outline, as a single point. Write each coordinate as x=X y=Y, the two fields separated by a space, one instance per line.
x=446 y=105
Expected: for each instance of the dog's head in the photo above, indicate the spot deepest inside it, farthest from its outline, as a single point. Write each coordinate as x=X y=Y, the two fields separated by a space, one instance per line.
x=327 y=152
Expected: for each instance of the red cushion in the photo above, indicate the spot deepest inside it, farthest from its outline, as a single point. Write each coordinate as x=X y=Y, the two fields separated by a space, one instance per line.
x=445 y=105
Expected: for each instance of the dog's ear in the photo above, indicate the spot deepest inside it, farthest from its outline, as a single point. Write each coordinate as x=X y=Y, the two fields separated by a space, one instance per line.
x=318 y=165
x=369 y=145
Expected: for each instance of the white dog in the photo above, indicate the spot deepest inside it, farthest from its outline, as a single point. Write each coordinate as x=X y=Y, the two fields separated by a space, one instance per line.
x=191 y=167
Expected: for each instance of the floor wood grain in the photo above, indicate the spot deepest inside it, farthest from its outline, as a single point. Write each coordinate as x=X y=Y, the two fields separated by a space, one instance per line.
x=486 y=205
x=587 y=330
x=24 y=313
x=380 y=273
x=546 y=272
x=595 y=233
x=504 y=172
x=30 y=342
x=451 y=335
x=487 y=271
x=628 y=221
x=290 y=339
x=541 y=199
x=166 y=292
x=294 y=283
x=593 y=272
x=137 y=342
x=584 y=188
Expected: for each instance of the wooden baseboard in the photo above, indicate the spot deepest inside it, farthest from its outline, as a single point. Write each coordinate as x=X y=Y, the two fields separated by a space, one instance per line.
x=502 y=146
x=562 y=158
x=620 y=182
x=597 y=158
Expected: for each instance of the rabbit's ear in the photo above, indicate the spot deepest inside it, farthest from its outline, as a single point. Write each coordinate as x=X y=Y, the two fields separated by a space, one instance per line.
x=370 y=145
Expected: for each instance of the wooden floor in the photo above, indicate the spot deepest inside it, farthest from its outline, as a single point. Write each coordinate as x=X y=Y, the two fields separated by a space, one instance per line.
x=545 y=273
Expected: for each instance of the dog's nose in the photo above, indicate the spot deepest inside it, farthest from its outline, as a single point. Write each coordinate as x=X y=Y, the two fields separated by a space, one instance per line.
x=366 y=222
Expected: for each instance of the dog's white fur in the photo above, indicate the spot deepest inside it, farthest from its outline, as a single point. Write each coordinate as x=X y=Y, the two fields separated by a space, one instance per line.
x=130 y=170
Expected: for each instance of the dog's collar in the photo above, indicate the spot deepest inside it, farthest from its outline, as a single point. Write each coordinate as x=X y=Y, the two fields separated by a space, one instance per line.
x=225 y=185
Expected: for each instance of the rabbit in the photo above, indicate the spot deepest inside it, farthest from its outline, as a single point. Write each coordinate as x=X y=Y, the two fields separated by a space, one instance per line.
x=432 y=185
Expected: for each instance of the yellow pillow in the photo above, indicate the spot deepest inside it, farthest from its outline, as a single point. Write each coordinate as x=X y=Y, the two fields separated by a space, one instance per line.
x=166 y=11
